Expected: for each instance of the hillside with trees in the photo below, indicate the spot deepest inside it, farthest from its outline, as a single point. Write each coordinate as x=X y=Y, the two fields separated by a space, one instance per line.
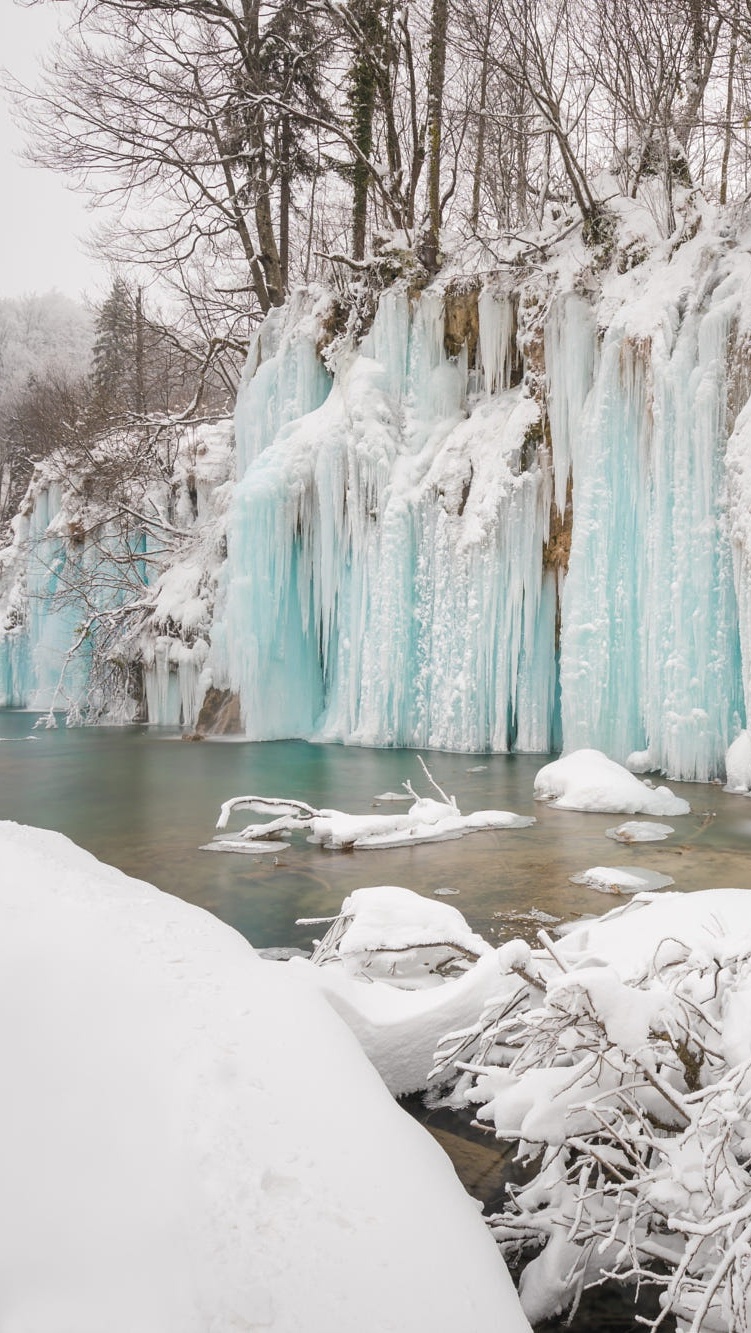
x=248 y=147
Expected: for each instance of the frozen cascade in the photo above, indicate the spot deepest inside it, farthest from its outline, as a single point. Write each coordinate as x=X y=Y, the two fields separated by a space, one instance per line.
x=34 y=655
x=389 y=578
x=570 y=359
x=385 y=574
x=650 y=657
x=284 y=378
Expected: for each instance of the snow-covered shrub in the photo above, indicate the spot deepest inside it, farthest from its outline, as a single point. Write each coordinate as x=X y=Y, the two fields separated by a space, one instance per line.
x=107 y=593
x=619 y=1061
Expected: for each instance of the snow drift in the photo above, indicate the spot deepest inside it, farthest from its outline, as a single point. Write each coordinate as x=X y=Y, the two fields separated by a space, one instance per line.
x=193 y=1141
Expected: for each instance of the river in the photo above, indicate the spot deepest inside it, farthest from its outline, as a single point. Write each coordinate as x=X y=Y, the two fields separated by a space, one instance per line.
x=145 y=800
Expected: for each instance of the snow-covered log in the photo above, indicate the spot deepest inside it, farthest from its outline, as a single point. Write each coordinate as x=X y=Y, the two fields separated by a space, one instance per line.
x=427 y=820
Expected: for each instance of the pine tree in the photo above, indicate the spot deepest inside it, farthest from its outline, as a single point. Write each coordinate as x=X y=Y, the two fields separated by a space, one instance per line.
x=114 y=374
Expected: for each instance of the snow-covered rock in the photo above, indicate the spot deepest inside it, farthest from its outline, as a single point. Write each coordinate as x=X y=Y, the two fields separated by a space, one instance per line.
x=588 y=780
x=639 y=830
x=621 y=879
x=192 y=1142
x=392 y=935
x=738 y=765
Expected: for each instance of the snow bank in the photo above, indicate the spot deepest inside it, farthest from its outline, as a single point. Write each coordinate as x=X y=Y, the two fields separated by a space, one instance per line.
x=192 y=1141
x=628 y=936
x=400 y=1030
x=588 y=780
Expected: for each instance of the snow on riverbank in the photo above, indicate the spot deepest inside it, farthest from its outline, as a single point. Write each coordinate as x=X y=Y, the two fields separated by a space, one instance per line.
x=192 y=1142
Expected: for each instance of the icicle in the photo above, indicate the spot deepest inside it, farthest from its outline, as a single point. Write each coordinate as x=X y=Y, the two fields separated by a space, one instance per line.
x=162 y=686
x=284 y=378
x=496 y=340
x=570 y=356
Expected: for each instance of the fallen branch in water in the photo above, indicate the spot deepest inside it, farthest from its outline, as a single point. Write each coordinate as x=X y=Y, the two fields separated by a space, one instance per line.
x=427 y=820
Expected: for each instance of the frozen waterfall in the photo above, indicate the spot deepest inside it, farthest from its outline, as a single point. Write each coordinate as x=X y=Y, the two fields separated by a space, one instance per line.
x=385 y=579
x=427 y=547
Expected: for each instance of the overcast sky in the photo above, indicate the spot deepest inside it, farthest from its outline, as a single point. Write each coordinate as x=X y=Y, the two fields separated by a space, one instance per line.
x=42 y=224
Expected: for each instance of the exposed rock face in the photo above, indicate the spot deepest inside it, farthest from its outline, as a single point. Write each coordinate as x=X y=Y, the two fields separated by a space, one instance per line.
x=557 y=549
x=461 y=323
x=220 y=714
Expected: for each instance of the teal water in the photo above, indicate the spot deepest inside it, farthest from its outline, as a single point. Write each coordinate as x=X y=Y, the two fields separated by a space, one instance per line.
x=145 y=801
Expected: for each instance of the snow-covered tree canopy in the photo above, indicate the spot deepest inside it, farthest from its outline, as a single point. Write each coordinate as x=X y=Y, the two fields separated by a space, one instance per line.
x=247 y=144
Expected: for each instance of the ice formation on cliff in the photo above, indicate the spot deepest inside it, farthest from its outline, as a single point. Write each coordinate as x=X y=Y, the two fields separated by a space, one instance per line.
x=385 y=578
x=394 y=576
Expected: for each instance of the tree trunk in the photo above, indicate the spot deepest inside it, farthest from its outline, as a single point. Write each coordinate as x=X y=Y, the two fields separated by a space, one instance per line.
x=140 y=378
x=474 y=217
x=728 y=116
x=363 y=105
x=436 y=76
x=285 y=195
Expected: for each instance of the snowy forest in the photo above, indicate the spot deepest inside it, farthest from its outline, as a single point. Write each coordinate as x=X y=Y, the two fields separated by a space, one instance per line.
x=416 y=416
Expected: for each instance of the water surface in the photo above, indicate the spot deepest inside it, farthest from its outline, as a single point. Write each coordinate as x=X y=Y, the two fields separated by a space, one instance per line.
x=145 y=800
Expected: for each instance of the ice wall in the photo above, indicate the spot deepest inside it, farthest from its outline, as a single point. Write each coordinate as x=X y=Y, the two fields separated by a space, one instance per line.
x=385 y=579
x=650 y=649
x=389 y=579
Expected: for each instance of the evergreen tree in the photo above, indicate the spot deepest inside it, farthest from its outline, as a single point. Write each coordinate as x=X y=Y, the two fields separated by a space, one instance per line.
x=114 y=377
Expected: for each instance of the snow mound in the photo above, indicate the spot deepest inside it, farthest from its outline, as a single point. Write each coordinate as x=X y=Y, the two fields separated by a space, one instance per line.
x=738 y=765
x=621 y=879
x=391 y=934
x=588 y=780
x=639 y=830
x=191 y=1139
x=390 y=917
